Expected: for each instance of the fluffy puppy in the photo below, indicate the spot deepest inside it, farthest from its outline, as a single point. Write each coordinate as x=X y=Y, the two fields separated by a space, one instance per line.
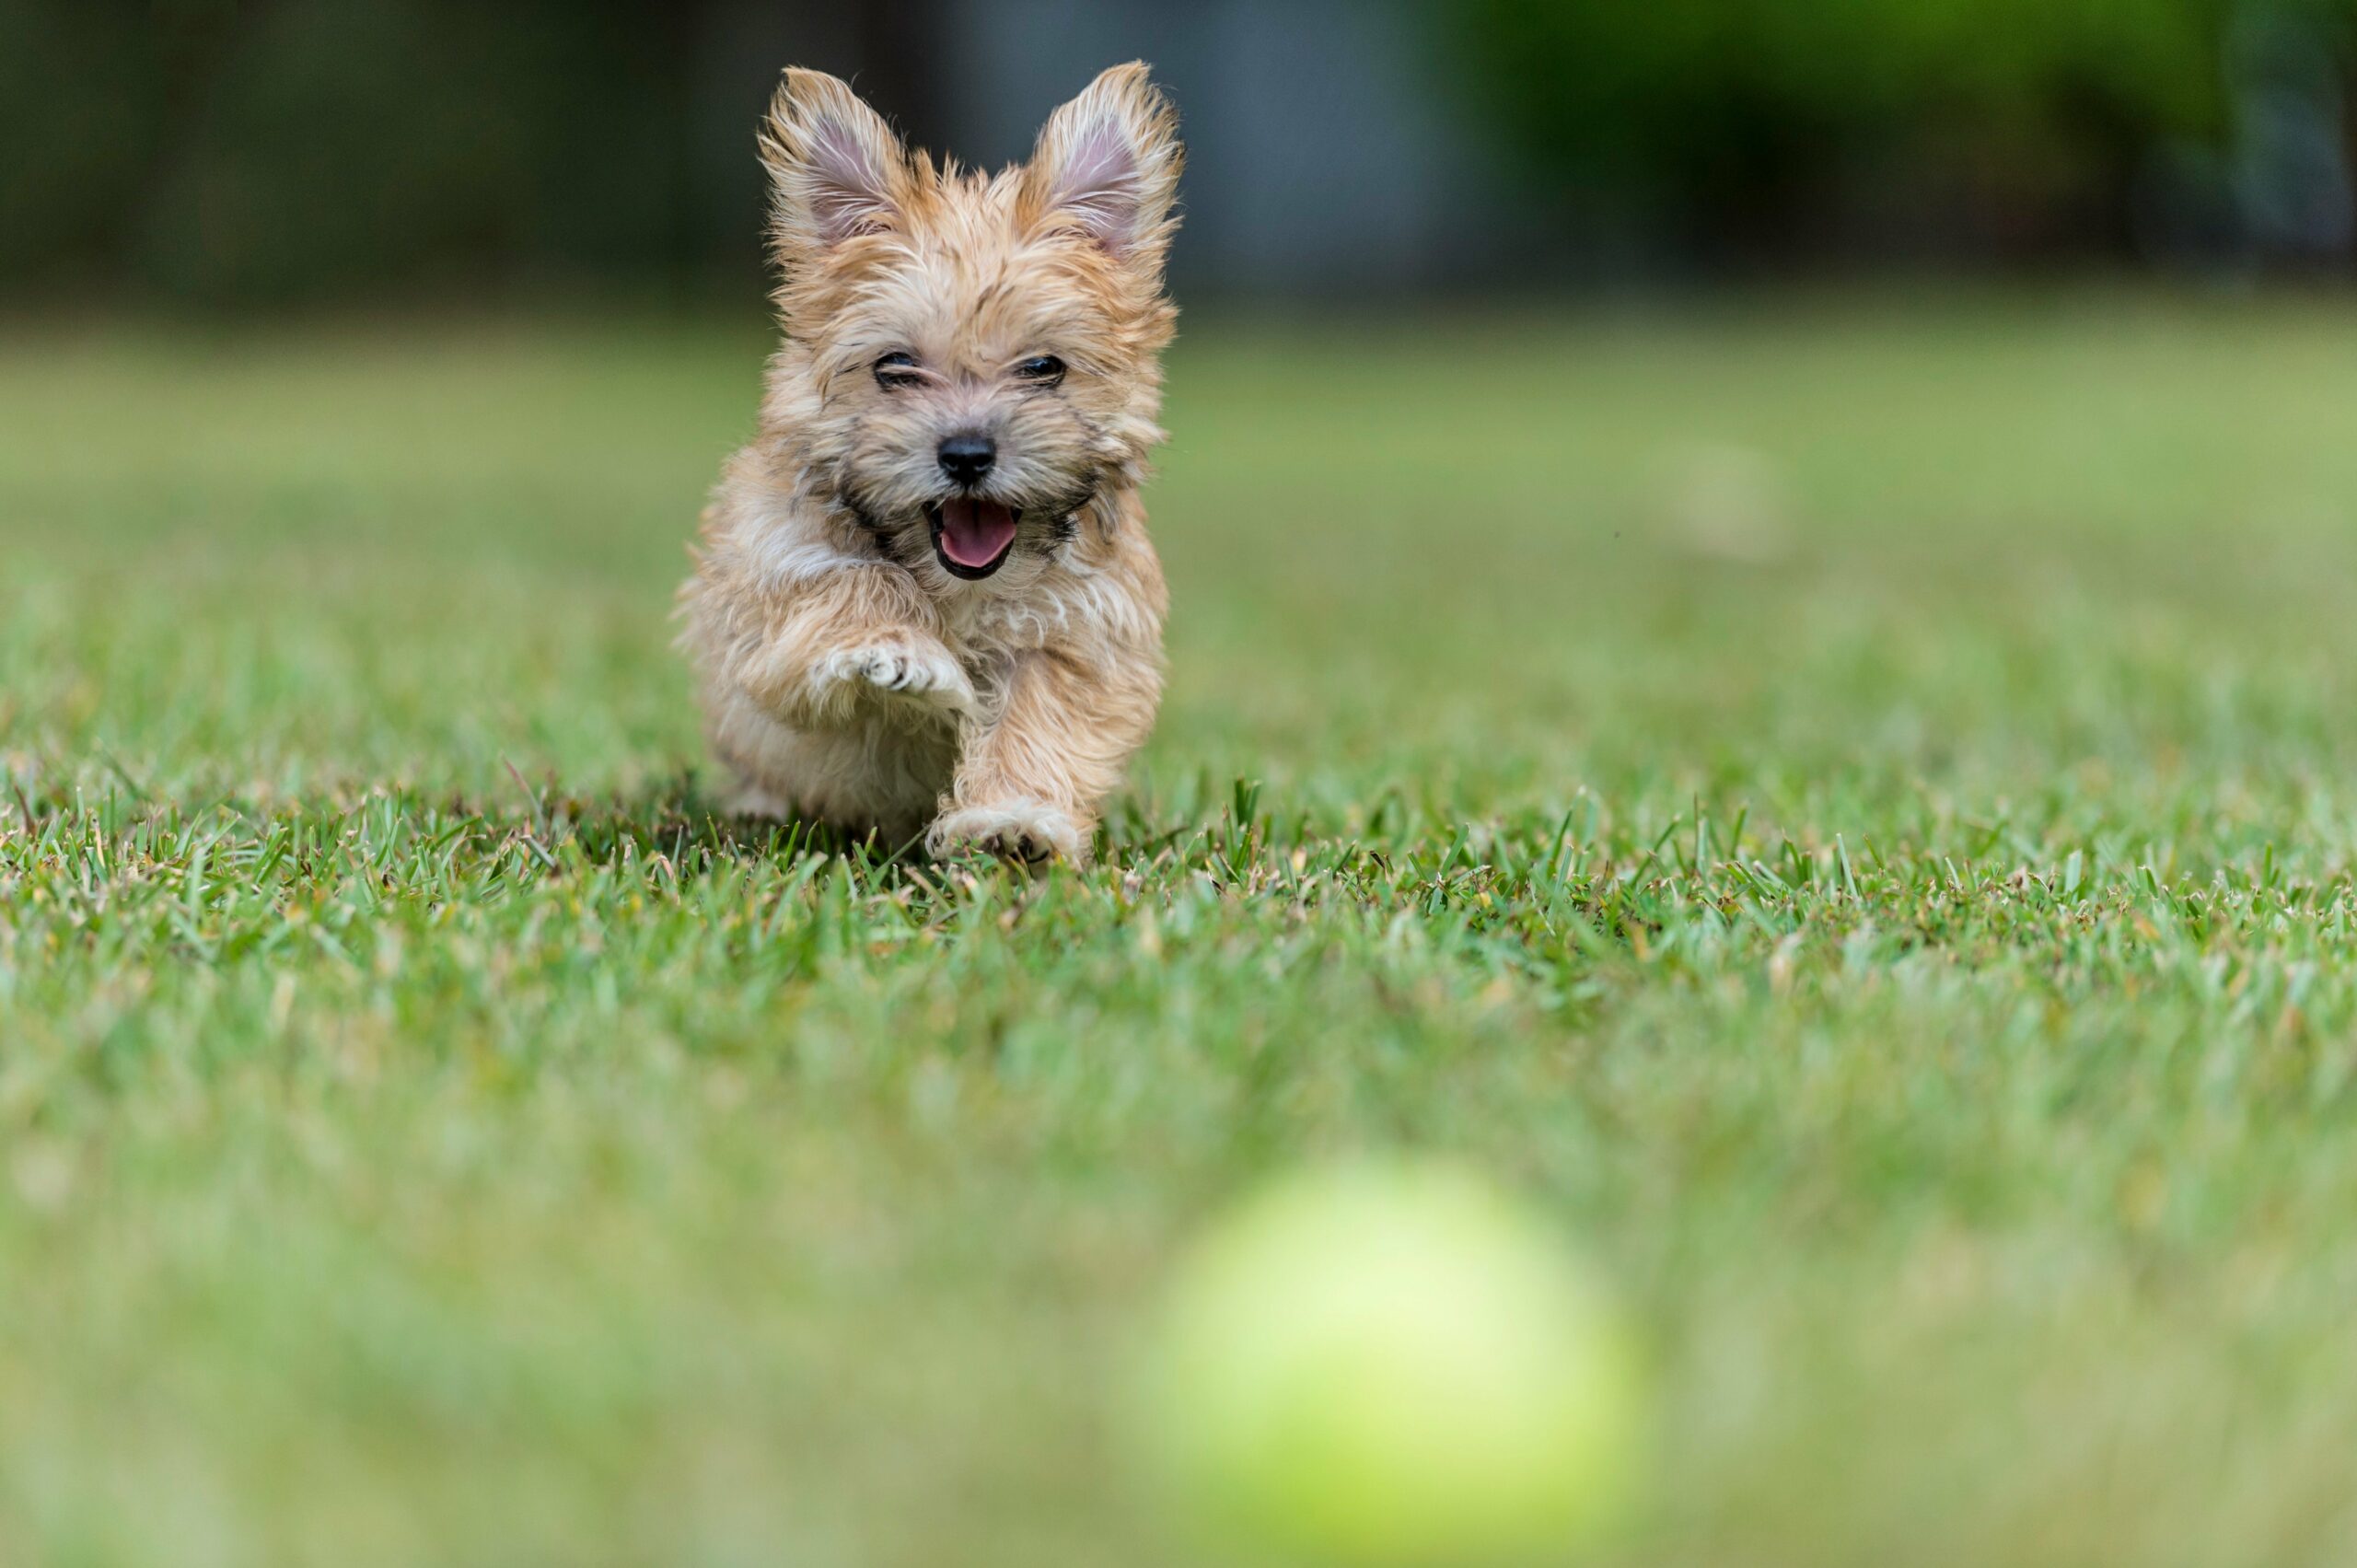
x=924 y=594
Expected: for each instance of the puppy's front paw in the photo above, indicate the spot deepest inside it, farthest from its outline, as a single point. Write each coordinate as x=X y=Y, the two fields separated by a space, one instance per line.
x=922 y=671
x=1030 y=832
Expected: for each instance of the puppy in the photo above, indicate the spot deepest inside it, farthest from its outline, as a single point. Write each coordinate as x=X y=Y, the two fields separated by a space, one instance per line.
x=924 y=599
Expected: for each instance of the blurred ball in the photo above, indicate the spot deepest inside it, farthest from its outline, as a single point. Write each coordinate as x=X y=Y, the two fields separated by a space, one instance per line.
x=1392 y=1367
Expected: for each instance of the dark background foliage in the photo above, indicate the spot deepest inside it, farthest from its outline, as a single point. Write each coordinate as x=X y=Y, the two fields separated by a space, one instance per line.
x=257 y=152
x=1980 y=125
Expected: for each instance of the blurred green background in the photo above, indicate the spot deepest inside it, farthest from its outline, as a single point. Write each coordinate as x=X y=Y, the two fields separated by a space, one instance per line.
x=254 y=151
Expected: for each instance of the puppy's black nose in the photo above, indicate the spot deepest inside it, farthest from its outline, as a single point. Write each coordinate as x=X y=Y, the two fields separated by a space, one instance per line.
x=967 y=457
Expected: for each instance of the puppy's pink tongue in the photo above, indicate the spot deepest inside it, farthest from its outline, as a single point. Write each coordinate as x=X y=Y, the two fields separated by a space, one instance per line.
x=975 y=533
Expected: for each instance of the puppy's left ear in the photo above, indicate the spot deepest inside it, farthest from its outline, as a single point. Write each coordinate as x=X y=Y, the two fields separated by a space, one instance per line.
x=836 y=169
x=1108 y=165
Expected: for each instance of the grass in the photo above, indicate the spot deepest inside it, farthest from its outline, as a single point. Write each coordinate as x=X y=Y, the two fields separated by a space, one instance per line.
x=1852 y=806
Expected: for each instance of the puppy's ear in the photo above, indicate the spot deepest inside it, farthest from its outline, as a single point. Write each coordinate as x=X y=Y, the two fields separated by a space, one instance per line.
x=1108 y=165
x=836 y=169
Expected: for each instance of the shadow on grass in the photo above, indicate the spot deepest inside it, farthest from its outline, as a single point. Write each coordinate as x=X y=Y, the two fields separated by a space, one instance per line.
x=678 y=824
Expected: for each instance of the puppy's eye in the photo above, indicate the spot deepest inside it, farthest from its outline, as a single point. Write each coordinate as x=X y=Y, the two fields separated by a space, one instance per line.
x=896 y=370
x=1044 y=371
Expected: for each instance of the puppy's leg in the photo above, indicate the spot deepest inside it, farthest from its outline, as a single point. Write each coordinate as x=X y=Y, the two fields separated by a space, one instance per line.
x=1036 y=771
x=850 y=645
x=832 y=699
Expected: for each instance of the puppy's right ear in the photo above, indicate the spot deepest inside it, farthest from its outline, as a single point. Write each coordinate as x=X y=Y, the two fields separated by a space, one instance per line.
x=836 y=171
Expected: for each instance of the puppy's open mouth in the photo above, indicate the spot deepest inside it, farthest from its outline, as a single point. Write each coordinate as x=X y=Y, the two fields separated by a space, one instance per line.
x=973 y=538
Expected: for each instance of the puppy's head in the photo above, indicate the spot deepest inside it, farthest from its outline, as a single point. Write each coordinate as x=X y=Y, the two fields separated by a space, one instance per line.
x=970 y=360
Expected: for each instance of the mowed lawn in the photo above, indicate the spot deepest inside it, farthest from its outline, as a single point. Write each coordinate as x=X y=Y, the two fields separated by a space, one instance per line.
x=1852 y=807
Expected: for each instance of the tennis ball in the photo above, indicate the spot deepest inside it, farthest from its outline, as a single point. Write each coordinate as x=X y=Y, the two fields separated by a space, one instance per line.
x=1392 y=1366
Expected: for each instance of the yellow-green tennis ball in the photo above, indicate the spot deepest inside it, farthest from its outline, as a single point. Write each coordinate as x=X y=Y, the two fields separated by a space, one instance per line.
x=1392 y=1367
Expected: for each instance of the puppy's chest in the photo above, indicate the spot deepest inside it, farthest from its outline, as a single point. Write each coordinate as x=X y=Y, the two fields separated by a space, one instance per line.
x=989 y=630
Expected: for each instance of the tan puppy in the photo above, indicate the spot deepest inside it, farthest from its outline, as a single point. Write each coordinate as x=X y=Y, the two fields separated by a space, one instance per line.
x=924 y=593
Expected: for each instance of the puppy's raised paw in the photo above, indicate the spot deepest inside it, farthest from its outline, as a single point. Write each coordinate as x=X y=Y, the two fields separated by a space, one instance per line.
x=1029 y=831
x=922 y=671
